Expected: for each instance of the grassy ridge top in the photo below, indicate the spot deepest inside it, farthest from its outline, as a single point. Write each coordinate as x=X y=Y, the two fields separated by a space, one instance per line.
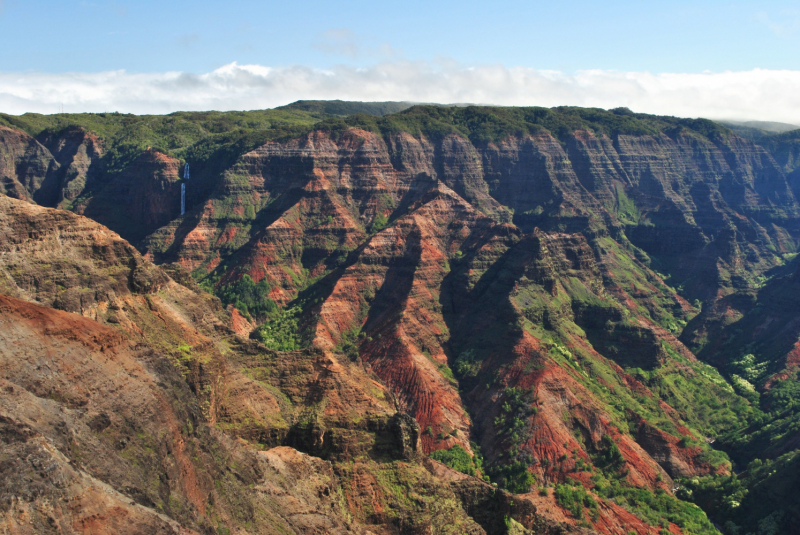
x=342 y=107
x=479 y=123
x=483 y=124
x=201 y=136
x=186 y=126
x=193 y=136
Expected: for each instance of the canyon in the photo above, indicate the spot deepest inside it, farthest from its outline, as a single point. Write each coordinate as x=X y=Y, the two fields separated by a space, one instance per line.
x=593 y=308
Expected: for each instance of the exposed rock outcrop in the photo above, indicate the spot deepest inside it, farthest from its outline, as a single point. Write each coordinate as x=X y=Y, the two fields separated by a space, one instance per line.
x=135 y=421
x=143 y=198
x=456 y=287
x=51 y=171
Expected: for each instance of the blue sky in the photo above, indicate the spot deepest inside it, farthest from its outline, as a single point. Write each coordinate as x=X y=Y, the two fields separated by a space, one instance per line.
x=86 y=37
x=199 y=36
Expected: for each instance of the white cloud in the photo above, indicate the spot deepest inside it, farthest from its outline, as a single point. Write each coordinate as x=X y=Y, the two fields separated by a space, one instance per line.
x=756 y=94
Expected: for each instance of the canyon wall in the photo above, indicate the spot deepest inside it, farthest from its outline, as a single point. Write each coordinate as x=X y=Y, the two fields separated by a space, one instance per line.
x=533 y=298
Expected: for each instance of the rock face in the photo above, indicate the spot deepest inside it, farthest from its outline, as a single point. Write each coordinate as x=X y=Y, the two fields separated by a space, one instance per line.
x=406 y=435
x=69 y=262
x=711 y=211
x=124 y=415
x=51 y=172
x=766 y=325
x=390 y=296
x=100 y=435
x=143 y=198
x=78 y=153
x=26 y=166
x=314 y=199
x=519 y=296
x=61 y=454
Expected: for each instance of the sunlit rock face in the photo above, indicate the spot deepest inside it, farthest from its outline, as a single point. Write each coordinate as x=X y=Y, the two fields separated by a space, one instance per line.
x=535 y=297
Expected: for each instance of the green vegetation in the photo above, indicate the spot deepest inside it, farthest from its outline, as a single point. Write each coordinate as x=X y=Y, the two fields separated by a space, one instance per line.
x=749 y=370
x=706 y=402
x=250 y=298
x=343 y=108
x=656 y=508
x=466 y=365
x=405 y=494
x=378 y=224
x=349 y=343
x=193 y=136
x=484 y=124
x=784 y=396
x=514 y=412
x=574 y=499
x=698 y=392
x=512 y=426
x=456 y=458
x=514 y=475
x=763 y=500
x=281 y=332
x=772 y=428
x=608 y=457
x=626 y=209
x=705 y=399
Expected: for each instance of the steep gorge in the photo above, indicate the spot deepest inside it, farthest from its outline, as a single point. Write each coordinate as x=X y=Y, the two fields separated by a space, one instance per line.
x=520 y=294
x=137 y=409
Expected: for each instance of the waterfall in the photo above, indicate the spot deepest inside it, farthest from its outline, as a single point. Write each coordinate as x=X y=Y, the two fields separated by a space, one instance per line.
x=183 y=188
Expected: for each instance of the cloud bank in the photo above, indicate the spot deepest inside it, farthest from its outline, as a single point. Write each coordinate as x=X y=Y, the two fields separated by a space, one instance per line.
x=756 y=95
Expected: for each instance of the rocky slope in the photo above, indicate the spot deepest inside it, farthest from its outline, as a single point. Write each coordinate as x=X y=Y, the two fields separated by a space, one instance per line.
x=528 y=284
x=51 y=173
x=102 y=435
x=387 y=298
x=135 y=408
